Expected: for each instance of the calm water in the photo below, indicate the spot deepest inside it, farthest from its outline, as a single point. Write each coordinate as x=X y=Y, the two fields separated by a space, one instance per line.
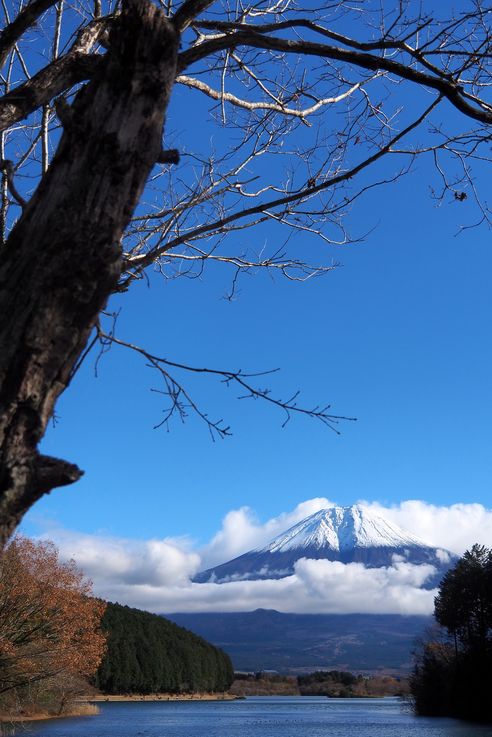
x=257 y=717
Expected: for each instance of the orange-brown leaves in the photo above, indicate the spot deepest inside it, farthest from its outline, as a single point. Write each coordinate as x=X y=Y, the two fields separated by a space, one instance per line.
x=49 y=623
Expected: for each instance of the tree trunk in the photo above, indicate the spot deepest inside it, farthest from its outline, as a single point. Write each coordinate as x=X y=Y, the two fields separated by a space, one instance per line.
x=63 y=257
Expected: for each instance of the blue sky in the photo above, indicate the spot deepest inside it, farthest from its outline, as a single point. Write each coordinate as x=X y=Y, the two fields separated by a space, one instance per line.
x=399 y=337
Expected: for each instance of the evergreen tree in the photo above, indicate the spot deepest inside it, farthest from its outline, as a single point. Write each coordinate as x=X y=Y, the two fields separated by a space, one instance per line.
x=147 y=653
x=453 y=676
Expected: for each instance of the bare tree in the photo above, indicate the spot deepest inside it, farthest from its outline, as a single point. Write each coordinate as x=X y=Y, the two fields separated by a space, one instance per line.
x=345 y=95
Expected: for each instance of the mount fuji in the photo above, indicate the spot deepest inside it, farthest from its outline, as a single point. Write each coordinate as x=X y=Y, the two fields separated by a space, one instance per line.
x=345 y=534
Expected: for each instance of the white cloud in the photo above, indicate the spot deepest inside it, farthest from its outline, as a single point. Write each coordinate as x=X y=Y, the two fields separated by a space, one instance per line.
x=156 y=574
x=241 y=531
x=317 y=586
x=111 y=561
x=443 y=555
x=354 y=588
x=455 y=528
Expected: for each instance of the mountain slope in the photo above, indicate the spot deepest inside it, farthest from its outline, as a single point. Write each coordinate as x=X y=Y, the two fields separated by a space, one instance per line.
x=346 y=534
x=303 y=643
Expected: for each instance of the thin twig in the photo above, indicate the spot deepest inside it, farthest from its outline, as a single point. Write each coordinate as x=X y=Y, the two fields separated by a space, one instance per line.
x=181 y=398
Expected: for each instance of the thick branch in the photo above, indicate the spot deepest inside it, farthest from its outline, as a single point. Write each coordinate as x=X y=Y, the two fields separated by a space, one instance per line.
x=381 y=44
x=141 y=262
x=197 y=84
x=187 y=13
x=76 y=66
x=51 y=81
x=24 y=20
x=446 y=87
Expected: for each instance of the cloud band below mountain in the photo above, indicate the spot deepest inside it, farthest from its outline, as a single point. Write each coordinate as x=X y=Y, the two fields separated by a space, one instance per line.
x=155 y=574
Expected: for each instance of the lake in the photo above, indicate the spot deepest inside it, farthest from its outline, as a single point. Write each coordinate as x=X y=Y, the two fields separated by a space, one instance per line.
x=264 y=716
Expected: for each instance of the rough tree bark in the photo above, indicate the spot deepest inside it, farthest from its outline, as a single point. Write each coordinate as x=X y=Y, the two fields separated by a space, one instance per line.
x=112 y=137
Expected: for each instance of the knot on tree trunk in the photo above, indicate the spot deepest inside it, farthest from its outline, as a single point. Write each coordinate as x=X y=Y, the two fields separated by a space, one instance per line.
x=50 y=473
x=24 y=480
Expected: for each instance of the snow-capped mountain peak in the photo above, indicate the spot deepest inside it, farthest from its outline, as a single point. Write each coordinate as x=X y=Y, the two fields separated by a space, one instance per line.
x=345 y=534
x=342 y=529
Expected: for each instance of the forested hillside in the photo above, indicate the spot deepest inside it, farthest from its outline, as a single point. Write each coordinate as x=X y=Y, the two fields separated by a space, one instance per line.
x=146 y=653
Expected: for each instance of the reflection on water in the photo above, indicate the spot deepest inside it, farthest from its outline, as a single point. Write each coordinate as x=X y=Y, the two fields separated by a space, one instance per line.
x=258 y=717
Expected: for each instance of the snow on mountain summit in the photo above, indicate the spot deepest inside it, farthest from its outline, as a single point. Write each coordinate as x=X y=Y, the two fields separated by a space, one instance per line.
x=345 y=534
x=342 y=529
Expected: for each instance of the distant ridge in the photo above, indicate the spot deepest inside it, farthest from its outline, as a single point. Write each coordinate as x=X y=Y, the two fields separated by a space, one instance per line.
x=302 y=643
x=345 y=534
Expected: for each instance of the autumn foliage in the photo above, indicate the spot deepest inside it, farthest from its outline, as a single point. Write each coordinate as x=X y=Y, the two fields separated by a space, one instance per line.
x=49 y=622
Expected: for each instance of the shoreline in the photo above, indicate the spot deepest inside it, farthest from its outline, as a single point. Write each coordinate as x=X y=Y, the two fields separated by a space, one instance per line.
x=91 y=711
x=92 y=701
x=101 y=698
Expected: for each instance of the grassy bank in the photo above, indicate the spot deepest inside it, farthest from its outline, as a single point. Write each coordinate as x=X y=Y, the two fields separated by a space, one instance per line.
x=88 y=705
x=163 y=697
x=81 y=709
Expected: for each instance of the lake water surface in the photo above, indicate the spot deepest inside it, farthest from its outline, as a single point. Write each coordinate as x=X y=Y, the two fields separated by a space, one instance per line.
x=258 y=717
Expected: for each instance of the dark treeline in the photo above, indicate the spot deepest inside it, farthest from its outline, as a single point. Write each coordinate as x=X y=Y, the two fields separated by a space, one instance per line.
x=148 y=654
x=320 y=676
x=342 y=684
x=453 y=670
x=333 y=684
